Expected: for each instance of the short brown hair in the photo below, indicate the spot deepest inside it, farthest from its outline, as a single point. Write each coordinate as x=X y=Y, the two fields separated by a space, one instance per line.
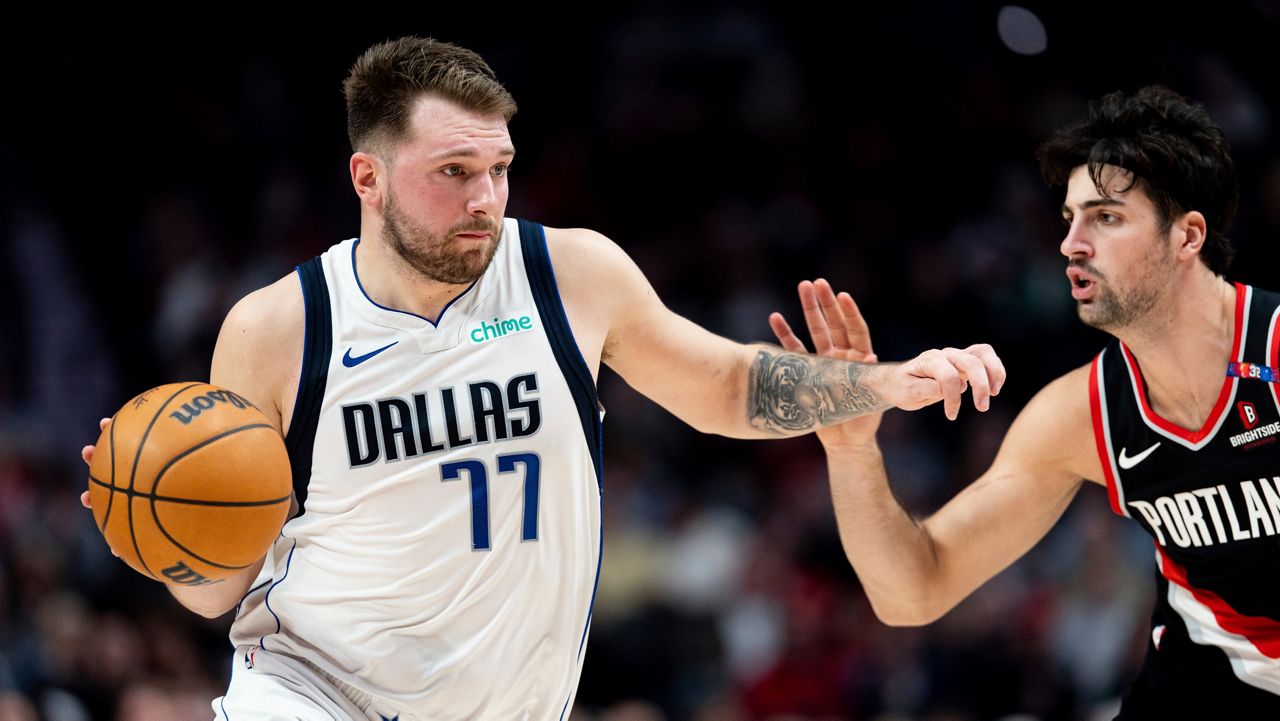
x=389 y=78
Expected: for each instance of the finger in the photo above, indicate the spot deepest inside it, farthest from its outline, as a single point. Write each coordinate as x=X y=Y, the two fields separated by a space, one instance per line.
x=786 y=336
x=102 y=424
x=834 y=316
x=84 y=500
x=994 y=366
x=951 y=386
x=819 y=330
x=972 y=370
x=855 y=325
x=87 y=454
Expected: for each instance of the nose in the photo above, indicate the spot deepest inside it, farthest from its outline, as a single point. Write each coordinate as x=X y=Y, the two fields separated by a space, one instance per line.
x=482 y=195
x=1075 y=244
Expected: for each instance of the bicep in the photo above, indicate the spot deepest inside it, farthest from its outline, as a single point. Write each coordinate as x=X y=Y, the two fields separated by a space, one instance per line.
x=688 y=370
x=682 y=367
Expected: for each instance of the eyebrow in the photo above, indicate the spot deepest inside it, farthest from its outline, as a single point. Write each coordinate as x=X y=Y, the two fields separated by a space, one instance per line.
x=1096 y=202
x=507 y=152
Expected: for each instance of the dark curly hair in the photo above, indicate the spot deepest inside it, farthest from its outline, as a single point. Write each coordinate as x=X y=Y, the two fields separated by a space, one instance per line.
x=1177 y=155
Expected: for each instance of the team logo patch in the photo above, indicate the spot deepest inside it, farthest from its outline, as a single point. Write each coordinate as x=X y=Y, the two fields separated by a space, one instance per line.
x=1254 y=434
x=500 y=327
x=1248 y=414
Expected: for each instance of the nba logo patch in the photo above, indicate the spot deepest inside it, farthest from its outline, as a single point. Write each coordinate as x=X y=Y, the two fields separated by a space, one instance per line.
x=1248 y=414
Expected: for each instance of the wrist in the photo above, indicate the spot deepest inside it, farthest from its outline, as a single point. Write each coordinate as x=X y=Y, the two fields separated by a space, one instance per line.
x=853 y=444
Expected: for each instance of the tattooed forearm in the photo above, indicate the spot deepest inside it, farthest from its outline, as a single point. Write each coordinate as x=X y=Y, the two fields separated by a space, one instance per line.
x=790 y=393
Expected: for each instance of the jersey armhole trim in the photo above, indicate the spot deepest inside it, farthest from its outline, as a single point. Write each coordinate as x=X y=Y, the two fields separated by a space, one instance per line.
x=317 y=348
x=1102 y=434
x=546 y=296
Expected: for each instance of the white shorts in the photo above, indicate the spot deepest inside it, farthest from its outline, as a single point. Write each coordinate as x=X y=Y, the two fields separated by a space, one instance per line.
x=271 y=687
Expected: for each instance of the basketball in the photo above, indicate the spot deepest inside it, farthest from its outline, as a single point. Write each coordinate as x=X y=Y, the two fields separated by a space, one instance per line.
x=189 y=483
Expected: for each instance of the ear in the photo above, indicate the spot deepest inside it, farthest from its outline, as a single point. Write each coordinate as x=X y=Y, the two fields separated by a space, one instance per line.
x=1190 y=231
x=368 y=177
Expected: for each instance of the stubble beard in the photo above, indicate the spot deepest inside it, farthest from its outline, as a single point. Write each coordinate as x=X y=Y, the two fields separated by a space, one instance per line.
x=438 y=258
x=1112 y=310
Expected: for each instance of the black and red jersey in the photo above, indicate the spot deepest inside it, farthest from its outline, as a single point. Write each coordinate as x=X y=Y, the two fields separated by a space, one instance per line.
x=1210 y=498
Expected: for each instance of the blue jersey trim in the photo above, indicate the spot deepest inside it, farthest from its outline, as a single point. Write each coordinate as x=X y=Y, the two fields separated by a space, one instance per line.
x=434 y=323
x=546 y=296
x=248 y=593
x=262 y=641
x=317 y=349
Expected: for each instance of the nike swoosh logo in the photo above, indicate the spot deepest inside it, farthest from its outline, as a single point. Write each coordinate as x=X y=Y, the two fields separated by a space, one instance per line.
x=352 y=362
x=1127 y=462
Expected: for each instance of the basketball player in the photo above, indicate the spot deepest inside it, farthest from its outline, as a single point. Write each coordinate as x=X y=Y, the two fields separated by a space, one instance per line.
x=1176 y=418
x=435 y=383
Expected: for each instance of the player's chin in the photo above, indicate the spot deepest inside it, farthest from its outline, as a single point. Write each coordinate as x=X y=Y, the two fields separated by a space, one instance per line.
x=467 y=266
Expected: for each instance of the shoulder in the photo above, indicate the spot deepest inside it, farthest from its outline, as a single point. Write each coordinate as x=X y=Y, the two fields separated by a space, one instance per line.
x=259 y=349
x=590 y=266
x=268 y=313
x=1063 y=404
x=581 y=248
x=1056 y=426
x=1070 y=390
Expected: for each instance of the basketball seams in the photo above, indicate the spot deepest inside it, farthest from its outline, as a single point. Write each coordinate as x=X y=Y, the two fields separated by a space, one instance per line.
x=111 y=496
x=217 y=504
x=152 y=497
x=133 y=472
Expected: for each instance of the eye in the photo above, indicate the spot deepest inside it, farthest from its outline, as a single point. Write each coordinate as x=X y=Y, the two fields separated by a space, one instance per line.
x=452 y=171
x=1066 y=221
x=500 y=169
x=1108 y=218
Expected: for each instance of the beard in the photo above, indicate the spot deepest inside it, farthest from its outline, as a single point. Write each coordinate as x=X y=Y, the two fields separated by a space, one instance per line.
x=1113 y=308
x=438 y=257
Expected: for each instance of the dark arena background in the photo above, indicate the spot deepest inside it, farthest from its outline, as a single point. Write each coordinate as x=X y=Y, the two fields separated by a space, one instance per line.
x=161 y=162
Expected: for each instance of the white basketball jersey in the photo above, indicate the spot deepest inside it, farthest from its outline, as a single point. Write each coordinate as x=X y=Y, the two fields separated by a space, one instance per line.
x=447 y=549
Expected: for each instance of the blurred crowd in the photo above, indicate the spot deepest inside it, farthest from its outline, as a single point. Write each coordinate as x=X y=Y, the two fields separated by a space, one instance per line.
x=732 y=149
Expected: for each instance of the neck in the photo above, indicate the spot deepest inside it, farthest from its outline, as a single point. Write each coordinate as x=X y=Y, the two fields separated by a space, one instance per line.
x=390 y=282
x=1183 y=346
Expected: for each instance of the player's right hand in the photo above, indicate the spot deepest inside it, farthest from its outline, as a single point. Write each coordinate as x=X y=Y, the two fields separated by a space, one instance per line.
x=87 y=454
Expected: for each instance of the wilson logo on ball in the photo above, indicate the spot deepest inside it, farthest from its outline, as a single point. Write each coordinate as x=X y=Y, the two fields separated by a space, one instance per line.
x=183 y=574
x=192 y=409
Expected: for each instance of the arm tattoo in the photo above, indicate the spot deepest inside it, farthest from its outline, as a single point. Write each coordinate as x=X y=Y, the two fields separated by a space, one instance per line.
x=789 y=392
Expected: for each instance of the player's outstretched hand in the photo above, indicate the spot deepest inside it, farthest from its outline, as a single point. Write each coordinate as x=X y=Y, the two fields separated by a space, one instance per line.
x=944 y=375
x=837 y=330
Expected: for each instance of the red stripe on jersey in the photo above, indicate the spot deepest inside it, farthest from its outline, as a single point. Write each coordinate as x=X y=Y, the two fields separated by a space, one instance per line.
x=1211 y=422
x=1100 y=438
x=1273 y=354
x=1262 y=632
